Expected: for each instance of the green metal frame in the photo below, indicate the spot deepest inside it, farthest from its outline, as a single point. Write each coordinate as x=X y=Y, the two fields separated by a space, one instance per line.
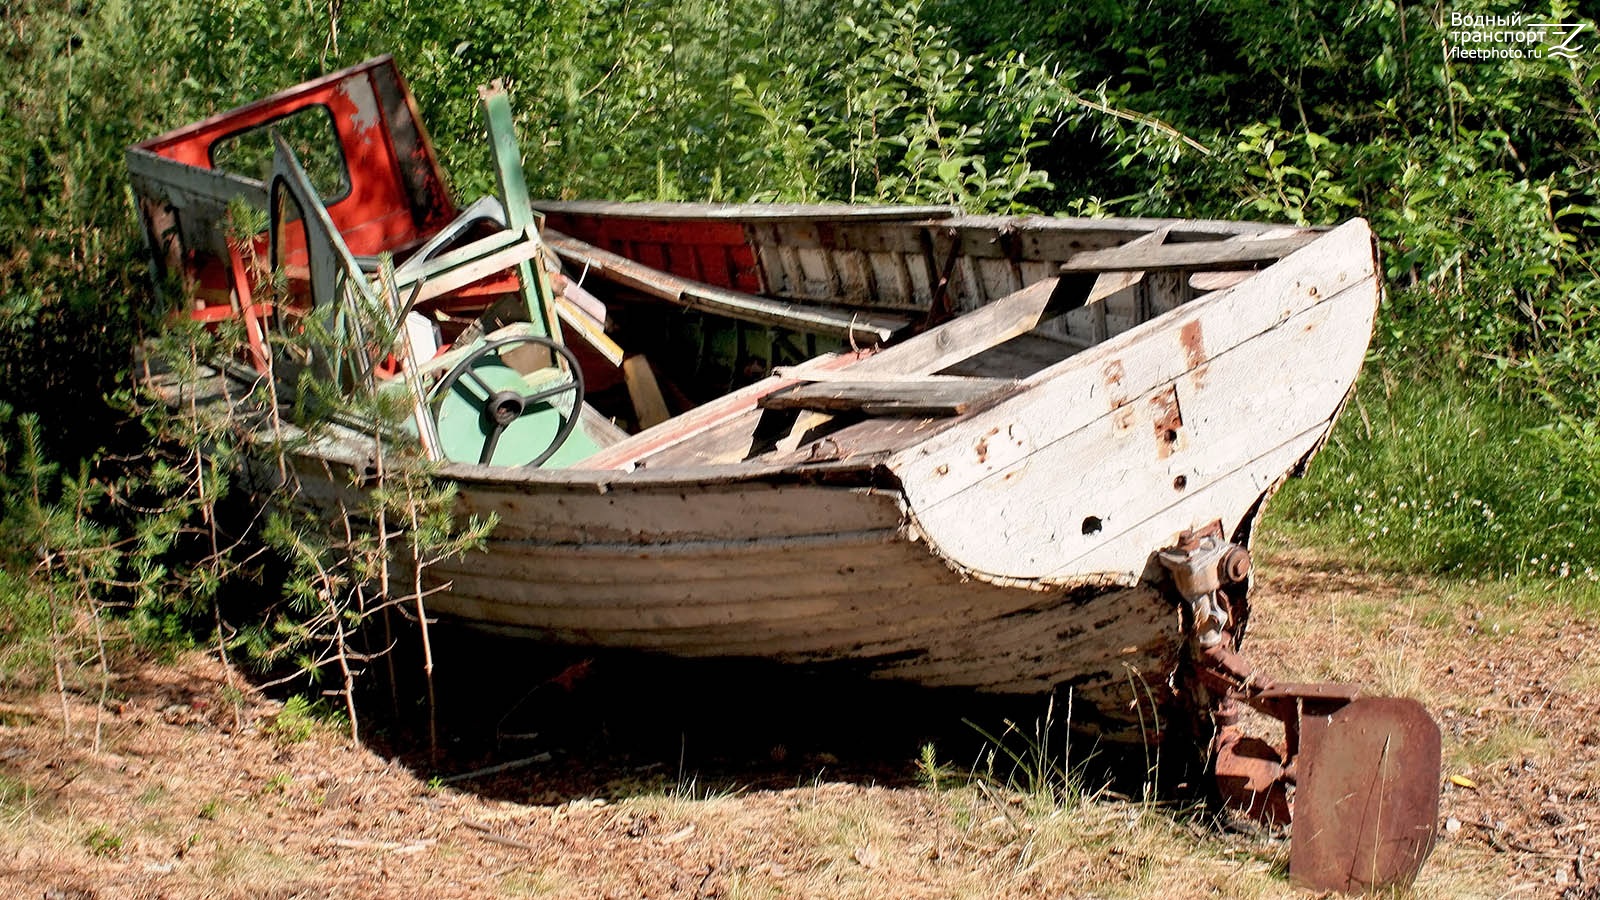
x=346 y=301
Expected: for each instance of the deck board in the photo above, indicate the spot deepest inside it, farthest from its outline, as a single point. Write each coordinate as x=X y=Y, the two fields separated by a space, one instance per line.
x=909 y=399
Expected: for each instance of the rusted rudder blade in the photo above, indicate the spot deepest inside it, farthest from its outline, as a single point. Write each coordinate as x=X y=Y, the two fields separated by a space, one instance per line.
x=1366 y=803
x=1358 y=776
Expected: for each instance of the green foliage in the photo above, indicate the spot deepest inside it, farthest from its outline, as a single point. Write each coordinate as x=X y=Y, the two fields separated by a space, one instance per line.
x=81 y=82
x=65 y=564
x=345 y=568
x=300 y=718
x=1439 y=475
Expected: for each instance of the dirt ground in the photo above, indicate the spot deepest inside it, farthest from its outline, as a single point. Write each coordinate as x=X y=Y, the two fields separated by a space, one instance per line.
x=195 y=795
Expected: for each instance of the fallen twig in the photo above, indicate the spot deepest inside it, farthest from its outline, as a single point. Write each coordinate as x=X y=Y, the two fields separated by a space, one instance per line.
x=1502 y=840
x=680 y=835
x=391 y=846
x=489 y=834
x=502 y=767
x=1541 y=854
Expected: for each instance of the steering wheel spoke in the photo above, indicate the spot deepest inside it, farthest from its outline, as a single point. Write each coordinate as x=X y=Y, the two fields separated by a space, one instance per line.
x=471 y=375
x=536 y=396
x=489 y=443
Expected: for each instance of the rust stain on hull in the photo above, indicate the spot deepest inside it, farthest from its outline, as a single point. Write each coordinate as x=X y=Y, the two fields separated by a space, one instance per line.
x=1193 y=340
x=1112 y=374
x=1167 y=419
x=983 y=445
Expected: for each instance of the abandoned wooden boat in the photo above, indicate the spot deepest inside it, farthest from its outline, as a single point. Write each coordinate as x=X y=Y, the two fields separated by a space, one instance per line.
x=937 y=447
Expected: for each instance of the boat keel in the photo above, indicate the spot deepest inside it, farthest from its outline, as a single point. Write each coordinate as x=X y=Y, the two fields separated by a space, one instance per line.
x=1358 y=776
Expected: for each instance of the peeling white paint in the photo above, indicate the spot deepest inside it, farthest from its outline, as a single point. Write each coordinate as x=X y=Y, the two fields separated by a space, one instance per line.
x=359 y=92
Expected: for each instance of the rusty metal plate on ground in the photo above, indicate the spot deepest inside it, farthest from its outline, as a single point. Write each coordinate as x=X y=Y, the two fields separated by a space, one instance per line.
x=1367 y=798
x=1249 y=777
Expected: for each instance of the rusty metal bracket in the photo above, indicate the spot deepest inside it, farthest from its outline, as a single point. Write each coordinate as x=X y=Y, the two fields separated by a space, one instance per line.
x=1201 y=564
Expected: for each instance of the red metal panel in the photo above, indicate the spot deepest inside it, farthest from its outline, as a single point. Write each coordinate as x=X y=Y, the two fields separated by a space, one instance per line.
x=376 y=215
x=648 y=254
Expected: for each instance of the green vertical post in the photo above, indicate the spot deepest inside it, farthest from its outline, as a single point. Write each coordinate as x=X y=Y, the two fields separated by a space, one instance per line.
x=519 y=209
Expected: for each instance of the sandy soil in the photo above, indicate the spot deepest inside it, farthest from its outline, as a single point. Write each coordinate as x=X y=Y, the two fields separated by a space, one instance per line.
x=192 y=795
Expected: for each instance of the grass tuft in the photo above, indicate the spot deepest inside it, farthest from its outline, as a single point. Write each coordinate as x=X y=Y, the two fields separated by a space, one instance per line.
x=102 y=841
x=1025 y=762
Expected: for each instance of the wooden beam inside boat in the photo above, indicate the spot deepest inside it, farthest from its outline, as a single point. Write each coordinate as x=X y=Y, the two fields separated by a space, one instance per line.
x=989 y=326
x=649 y=407
x=1228 y=254
x=909 y=398
x=967 y=335
x=859 y=327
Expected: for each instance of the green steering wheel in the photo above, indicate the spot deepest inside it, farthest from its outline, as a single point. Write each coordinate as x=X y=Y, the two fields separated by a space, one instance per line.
x=484 y=406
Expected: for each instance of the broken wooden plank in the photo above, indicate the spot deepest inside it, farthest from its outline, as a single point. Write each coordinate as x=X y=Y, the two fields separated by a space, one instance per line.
x=506 y=155
x=649 y=407
x=915 y=399
x=520 y=217
x=862 y=328
x=966 y=335
x=853 y=374
x=1217 y=281
x=590 y=330
x=460 y=268
x=1193 y=255
x=484 y=209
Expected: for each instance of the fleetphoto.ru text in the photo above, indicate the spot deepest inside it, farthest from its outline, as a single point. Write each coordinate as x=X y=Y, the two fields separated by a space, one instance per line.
x=1491 y=36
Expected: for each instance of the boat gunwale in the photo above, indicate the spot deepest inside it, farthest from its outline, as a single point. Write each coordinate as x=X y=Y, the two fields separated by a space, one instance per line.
x=919 y=216
x=764 y=213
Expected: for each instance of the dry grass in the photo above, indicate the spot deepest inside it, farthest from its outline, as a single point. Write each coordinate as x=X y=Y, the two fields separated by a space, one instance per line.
x=1509 y=671
x=182 y=805
x=1583 y=675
